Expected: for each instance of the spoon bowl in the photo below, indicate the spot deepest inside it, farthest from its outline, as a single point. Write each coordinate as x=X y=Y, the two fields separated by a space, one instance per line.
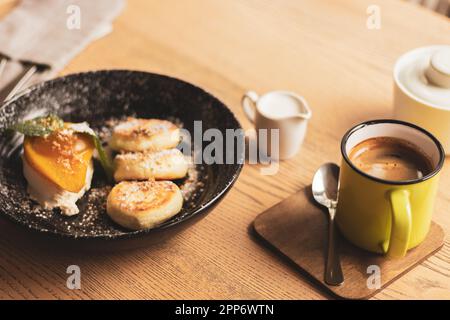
x=325 y=184
x=325 y=189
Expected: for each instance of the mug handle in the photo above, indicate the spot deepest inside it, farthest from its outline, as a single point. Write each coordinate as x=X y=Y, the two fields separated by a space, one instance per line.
x=248 y=102
x=401 y=223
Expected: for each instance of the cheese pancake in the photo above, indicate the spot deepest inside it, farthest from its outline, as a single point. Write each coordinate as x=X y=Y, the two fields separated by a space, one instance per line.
x=137 y=135
x=160 y=165
x=138 y=205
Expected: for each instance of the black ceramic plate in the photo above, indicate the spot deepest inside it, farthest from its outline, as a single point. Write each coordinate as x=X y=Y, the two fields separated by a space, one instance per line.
x=102 y=98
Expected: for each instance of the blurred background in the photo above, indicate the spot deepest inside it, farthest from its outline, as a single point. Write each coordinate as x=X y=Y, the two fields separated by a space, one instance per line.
x=440 y=6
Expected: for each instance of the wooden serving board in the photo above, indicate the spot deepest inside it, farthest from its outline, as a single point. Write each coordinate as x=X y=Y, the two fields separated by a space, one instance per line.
x=297 y=228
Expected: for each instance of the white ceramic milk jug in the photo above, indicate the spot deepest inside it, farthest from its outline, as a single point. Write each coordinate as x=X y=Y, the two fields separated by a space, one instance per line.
x=282 y=110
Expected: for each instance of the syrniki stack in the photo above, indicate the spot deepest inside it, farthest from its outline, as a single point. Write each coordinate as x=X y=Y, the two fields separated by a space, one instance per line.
x=160 y=165
x=140 y=205
x=146 y=153
x=138 y=135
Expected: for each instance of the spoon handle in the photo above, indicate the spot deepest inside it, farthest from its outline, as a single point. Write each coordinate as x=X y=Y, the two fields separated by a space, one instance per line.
x=333 y=271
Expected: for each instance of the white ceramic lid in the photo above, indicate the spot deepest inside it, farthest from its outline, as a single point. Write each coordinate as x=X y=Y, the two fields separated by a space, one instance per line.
x=424 y=73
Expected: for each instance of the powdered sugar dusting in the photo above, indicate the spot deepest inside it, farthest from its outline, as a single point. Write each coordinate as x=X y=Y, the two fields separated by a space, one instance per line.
x=92 y=220
x=104 y=98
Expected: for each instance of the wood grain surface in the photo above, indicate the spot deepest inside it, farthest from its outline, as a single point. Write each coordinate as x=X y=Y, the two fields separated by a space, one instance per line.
x=321 y=49
x=297 y=228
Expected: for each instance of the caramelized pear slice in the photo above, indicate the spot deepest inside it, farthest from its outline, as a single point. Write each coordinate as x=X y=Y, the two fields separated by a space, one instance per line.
x=62 y=157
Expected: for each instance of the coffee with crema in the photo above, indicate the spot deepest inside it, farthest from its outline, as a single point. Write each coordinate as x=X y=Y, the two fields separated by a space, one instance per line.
x=391 y=159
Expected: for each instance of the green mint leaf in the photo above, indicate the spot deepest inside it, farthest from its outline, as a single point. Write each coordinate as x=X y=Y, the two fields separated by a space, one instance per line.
x=40 y=126
x=105 y=160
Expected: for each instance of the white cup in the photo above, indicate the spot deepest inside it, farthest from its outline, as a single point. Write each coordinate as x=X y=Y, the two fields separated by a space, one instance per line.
x=282 y=110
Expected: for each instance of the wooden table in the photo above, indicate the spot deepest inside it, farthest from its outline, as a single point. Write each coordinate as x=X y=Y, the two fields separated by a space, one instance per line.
x=320 y=49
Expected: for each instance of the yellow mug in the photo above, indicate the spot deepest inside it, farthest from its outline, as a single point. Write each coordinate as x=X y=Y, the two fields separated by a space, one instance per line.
x=382 y=216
